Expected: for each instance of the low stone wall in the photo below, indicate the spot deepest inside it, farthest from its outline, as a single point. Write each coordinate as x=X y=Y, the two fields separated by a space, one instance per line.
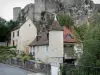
x=30 y=65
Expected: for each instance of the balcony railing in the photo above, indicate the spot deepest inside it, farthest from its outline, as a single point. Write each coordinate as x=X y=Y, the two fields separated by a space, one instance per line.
x=67 y=56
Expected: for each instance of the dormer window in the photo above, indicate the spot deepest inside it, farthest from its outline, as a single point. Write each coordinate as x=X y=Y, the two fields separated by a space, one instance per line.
x=68 y=37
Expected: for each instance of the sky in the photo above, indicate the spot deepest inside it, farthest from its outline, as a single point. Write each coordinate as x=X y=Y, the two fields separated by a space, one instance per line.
x=6 y=7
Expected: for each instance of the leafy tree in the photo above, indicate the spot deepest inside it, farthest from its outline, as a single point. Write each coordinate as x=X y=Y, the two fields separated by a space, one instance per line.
x=10 y=26
x=81 y=30
x=6 y=28
x=91 y=55
x=65 y=20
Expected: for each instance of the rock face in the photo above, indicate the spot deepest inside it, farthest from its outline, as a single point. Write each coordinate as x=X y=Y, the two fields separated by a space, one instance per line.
x=78 y=9
x=27 y=12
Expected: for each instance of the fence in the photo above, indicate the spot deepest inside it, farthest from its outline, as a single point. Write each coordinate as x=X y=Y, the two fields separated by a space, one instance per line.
x=30 y=65
x=68 y=69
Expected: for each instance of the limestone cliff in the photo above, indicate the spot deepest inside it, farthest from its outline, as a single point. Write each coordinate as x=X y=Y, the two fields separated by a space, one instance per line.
x=80 y=10
x=28 y=10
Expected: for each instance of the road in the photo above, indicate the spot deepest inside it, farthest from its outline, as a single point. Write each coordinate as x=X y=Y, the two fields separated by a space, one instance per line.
x=10 y=70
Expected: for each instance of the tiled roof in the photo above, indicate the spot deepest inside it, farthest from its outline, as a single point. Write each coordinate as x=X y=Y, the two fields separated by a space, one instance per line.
x=69 y=37
x=43 y=40
x=17 y=27
x=56 y=26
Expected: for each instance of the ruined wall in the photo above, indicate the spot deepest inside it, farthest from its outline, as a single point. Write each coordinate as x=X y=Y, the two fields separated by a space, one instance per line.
x=16 y=11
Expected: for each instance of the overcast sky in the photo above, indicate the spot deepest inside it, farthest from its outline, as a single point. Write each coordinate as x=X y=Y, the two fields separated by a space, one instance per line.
x=6 y=7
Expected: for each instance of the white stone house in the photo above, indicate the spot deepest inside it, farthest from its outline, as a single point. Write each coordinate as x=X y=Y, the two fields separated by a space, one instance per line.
x=58 y=45
x=23 y=35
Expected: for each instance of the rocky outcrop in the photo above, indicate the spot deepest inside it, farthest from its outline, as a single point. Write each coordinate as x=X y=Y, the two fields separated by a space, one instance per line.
x=80 y=10
x=27 y=12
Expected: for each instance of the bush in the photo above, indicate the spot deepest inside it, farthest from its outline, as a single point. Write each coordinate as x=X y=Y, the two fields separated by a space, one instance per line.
x=25 y=58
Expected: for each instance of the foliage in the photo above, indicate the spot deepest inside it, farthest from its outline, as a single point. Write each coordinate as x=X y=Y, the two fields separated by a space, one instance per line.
x=86 y=2
x=25 y=58
x=63 y=69
x=6 y=53
x=91 y=55
x=6 y=28
x=81 y=30
x=31 y=56
x=7 y=47
x=23 y=54
x=65 y=20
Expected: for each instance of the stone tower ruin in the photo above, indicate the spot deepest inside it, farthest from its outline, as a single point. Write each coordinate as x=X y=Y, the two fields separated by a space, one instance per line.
x=16 y=11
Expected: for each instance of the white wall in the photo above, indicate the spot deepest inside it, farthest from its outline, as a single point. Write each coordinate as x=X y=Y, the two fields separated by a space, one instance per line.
x=41 y=52
x=55 y=50
x=54 y=70
x=15 y=38
x=27 y=33
x=56 y=44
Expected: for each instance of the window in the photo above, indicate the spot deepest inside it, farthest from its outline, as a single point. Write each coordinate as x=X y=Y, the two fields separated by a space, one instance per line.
x=68 y=36
x=13 y=34
x=17 y=33
x=46 y=50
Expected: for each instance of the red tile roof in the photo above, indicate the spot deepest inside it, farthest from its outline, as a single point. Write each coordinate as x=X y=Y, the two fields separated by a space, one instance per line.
x=66 y=32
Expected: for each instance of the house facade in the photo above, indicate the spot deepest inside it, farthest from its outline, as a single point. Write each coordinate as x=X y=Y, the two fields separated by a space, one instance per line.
x=23 y=35
x=39 y=47
x=58 y=45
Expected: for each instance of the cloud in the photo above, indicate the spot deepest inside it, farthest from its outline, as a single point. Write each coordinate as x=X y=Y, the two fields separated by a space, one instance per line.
x=97 y=1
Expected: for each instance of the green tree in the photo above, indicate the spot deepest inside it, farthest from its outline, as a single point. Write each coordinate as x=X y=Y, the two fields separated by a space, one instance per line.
x=81 y=30
x=91 y=55
x=65 y=20
x=3 y=29
x=6 y=28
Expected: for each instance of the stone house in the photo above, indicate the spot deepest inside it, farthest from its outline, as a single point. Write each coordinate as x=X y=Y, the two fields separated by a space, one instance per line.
x=23 y=35
x=57 y=45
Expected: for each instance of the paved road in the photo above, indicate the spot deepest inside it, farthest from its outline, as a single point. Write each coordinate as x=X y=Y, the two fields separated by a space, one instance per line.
x=10 y=70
